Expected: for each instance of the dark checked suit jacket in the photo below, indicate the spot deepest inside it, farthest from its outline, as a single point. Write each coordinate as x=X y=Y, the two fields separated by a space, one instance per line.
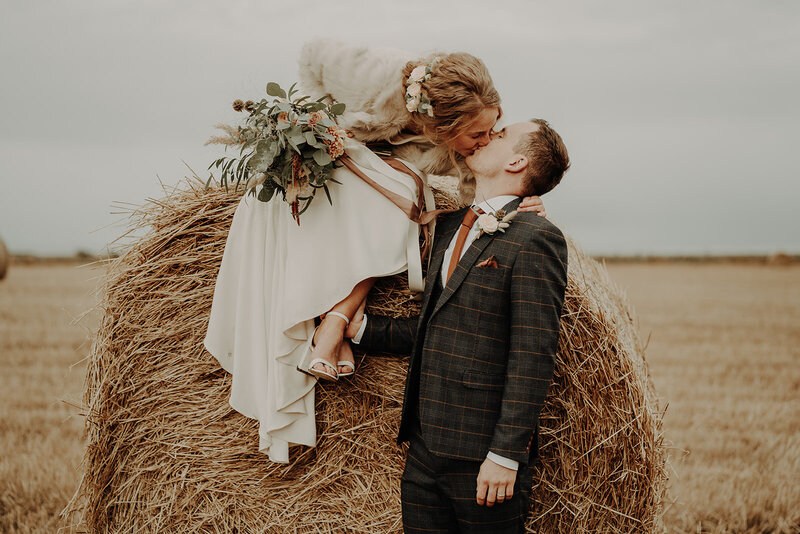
x=482 y=349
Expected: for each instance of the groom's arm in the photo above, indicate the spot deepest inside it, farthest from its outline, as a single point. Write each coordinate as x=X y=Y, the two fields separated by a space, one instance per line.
x=539 y=278
x=385 y=334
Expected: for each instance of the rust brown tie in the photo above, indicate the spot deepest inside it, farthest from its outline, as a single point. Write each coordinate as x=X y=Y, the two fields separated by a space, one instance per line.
x=469 y=219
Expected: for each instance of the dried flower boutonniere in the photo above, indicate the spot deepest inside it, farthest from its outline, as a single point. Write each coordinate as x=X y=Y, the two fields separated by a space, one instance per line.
x=489 y=223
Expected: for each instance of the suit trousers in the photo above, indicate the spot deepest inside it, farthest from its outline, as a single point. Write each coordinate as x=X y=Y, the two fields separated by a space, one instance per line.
x=438 y=496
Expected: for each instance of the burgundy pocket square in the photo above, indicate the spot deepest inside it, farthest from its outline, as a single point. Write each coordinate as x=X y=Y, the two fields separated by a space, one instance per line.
x=490 y=262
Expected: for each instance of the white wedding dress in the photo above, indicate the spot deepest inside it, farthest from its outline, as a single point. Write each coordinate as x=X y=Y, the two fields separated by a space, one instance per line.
x=276 y=277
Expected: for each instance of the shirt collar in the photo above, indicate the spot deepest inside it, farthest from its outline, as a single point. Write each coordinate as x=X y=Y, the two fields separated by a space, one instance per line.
x=495 y=203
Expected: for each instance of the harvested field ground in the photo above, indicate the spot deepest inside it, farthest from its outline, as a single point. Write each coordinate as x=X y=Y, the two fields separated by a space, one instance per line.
x=724 y=353
x=41 y=437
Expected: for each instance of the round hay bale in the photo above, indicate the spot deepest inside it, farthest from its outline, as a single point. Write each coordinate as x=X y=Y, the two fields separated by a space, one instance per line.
x=779 y=258
x=166 y=452
x=5 y=259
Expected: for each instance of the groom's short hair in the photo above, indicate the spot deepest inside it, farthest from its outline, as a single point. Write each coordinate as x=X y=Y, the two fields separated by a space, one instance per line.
x=547 y=159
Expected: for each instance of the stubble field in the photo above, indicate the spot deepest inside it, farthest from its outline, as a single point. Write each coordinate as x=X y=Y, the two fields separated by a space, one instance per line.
x=724 y=352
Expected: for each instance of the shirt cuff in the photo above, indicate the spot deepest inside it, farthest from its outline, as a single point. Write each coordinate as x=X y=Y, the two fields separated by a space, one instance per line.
x=502 y=461
x=356 y=339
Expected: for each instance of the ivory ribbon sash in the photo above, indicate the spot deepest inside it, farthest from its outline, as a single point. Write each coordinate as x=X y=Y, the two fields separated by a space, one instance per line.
x=360 y=155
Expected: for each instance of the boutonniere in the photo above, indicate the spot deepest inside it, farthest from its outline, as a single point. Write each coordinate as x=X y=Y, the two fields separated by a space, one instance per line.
x=489 y=223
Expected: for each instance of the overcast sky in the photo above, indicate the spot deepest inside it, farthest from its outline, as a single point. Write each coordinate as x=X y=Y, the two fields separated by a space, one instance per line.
x=680 y=117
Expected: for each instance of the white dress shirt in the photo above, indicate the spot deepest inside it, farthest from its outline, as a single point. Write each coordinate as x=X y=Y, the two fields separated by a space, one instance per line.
x=488 y=206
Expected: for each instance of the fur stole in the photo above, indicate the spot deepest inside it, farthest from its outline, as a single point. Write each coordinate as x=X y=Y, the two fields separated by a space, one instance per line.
x=370 y=82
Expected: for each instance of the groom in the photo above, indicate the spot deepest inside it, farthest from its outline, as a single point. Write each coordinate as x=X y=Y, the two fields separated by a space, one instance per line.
x=482 y=350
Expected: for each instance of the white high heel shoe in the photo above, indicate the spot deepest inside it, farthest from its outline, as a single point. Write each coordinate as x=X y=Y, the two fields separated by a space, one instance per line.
x=346 y=363
x=319 y=374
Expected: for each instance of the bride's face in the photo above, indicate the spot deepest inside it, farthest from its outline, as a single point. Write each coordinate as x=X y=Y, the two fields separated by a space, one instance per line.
x=476 y=135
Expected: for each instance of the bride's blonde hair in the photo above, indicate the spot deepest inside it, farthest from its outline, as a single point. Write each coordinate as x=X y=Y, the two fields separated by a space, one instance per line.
x=459 y=88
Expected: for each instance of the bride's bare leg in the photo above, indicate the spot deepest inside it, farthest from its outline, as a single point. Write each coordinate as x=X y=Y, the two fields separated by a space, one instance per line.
x=330 y=333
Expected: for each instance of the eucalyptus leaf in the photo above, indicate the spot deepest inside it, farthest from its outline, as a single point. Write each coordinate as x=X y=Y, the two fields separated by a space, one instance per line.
x=338 y=109
x=311 y=139
x=326 y=122
x=273 y=89
x=322 y=157
x=263 y=157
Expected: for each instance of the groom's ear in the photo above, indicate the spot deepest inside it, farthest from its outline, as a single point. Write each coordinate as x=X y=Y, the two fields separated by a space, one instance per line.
x=517 y=164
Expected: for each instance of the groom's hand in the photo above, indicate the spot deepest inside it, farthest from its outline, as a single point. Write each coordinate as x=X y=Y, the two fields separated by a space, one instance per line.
x=495 y=483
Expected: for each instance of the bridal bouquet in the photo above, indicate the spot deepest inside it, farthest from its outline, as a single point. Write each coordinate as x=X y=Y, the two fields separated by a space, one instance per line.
x=288 y=145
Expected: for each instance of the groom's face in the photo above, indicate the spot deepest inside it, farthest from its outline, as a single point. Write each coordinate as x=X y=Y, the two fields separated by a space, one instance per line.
x=501 y=151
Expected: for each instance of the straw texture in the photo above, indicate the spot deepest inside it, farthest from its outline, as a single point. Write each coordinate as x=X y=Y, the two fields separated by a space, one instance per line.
x=166 y=453
x=4 y=260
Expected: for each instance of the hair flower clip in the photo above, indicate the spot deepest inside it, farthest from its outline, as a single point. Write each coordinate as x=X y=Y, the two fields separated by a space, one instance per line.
x=416 y=99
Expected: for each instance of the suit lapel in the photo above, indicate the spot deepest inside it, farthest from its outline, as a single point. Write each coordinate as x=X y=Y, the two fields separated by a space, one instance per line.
x=445 y=228
x=468 y=260
x=444 y=234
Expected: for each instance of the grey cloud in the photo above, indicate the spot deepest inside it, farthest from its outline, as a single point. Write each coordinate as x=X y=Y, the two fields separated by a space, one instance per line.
x=677 y=115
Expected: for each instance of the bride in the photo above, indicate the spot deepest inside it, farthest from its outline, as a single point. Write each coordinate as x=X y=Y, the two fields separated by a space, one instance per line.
x=276 y=277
